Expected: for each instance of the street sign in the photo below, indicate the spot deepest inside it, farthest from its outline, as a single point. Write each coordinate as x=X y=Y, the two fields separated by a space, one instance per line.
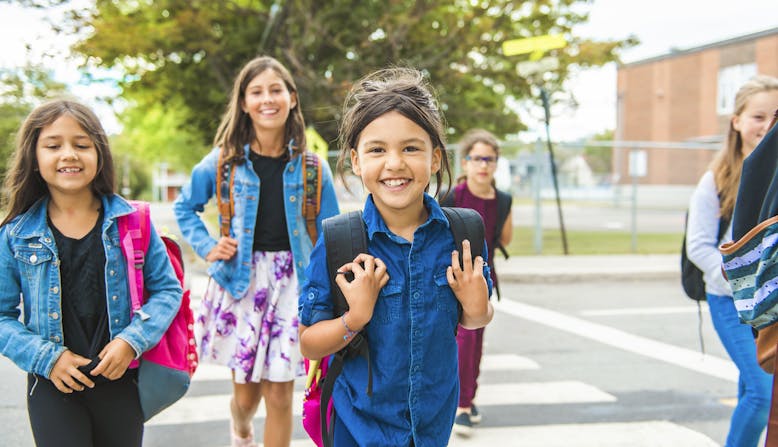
x=535 y=45
x=316 y=143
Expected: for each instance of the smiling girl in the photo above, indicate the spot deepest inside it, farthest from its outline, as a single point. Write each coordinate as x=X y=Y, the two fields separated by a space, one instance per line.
x=406 y=289
x=248 y=316
x=60 y=252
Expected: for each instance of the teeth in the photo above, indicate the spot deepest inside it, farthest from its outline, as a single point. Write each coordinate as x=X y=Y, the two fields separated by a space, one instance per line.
x=70 y=170
x=393 y=183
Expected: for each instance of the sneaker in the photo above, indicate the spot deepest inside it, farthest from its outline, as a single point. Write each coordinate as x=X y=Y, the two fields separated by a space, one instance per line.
x=475 y=415
x=237 y=441
x=462 y=425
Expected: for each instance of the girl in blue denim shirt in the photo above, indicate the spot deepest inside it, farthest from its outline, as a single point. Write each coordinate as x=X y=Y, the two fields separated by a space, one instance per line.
x=247 y=320
x=60 y=254
x=406 y=289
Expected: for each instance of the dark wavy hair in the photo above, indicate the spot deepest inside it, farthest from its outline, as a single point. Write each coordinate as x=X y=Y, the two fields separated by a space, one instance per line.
x=24 y=184
x=402 y=90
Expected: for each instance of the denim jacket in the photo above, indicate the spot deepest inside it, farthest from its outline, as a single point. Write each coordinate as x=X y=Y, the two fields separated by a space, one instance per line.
x=233 y=275
x=29 y=270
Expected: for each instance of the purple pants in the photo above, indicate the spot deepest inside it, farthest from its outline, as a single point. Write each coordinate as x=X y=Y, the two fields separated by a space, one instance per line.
x=470 y=343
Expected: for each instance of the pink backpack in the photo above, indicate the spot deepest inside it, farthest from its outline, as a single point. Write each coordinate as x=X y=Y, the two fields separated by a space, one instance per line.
x=312 y=399
x=164 y=371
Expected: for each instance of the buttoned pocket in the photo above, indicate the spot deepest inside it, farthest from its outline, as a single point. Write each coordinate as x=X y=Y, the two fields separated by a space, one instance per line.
x=444 y=296
x=388 y=308
x=33 y=265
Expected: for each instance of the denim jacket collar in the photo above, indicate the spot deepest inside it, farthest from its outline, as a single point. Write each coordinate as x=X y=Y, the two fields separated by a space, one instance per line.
x=33 y=223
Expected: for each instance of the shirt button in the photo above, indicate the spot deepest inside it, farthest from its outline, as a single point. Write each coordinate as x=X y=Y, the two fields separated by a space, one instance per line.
x=291 y=168
x=292 y=198
x=299 y=263
x=114 y=297
x=111 y=273
x=55 y=339
x=55 y=289
x=33 y=259
x=116 y=321
x=310 y=295
x=416 y=294
x=295 y=232
x=47 y=240
x=54 y=315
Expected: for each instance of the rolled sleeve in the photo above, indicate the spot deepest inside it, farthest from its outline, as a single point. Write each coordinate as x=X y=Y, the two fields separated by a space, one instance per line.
x=315 y=304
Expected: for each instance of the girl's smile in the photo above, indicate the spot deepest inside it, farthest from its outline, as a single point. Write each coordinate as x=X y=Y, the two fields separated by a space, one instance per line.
x=395 y=159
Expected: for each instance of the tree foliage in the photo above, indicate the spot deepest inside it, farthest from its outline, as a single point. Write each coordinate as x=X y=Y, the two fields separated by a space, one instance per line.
x=21 y=89
x=180 y=56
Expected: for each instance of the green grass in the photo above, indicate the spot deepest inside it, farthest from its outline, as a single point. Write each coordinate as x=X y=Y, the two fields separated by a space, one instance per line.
x=593 y=242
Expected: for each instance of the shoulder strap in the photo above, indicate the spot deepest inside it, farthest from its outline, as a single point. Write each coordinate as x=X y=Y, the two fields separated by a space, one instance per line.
x=225 y=177
x=467 y=224
x=504 y=202
x=134 y=238
x=345 y=237
x=311 y=165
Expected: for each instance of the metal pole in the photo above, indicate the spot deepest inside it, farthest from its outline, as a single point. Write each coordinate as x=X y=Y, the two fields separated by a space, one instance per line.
x=544 y=97
x=634 y=213
x=536 y=186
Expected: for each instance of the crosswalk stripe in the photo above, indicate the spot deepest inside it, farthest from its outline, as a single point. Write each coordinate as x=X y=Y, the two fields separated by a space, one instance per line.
x=490 y=362
x=633 y=434
x=666 y=310
x=190 y=410
x=533 y=393
x=685 y=358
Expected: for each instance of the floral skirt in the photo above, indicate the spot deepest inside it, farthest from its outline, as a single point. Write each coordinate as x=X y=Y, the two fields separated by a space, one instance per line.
x=256 y=336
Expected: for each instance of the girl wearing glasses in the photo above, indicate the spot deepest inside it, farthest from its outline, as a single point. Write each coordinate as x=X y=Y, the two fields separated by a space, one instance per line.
x=476 y=189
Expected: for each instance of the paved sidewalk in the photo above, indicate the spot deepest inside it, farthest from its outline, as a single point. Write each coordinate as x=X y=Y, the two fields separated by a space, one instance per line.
x=579 y=267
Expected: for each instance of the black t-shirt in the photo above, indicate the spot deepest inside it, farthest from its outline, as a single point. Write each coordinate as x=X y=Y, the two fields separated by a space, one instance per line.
x=82 y=278
x=270 y=231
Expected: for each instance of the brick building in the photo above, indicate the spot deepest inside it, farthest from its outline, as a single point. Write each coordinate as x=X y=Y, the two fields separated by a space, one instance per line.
x=686 y=96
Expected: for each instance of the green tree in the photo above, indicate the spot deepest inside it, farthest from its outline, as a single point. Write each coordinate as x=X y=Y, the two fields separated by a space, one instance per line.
x=21 y=89
x=599 y=158
x=185 y=53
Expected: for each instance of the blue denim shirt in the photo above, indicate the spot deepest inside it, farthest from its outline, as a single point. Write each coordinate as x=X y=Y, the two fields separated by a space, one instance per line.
x=233 y=274
x=413 y=348
x=29 y=269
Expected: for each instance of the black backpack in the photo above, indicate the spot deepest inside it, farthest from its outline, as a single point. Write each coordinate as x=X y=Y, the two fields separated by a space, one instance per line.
x=345 y=237
x=691 y=275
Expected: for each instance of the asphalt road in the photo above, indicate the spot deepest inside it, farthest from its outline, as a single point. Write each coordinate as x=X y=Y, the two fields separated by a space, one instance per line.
x=586 y=363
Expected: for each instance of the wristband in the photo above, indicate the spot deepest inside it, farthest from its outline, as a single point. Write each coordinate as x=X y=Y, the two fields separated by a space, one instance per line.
x=349 y=332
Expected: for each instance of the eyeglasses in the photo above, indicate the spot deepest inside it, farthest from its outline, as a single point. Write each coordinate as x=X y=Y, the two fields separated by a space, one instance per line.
x=483 y=160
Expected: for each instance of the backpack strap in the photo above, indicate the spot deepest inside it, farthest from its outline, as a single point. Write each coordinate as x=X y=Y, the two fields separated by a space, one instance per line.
x=345 y=237
x=504 y=202
x=465 y=223
x=312 y=183
x=225 y=178
x=134 y=238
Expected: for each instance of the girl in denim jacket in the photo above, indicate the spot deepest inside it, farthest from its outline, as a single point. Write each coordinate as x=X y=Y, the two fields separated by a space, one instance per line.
x=247 y=320
x=407 y=288
x=60 y=254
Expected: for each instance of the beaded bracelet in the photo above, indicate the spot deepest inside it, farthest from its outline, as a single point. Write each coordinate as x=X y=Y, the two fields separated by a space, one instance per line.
x=349 y=332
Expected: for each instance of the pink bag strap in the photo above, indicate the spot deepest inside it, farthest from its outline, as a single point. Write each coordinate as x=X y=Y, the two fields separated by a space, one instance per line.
x=134 y=238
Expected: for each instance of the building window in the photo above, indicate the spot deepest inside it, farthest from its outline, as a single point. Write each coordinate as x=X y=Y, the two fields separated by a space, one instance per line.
x=730 y=80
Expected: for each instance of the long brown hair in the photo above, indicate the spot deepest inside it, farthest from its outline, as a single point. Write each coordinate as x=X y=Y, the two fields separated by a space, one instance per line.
x=236 y=128
x=402 y=90
x=23 y=182
x=728 y=163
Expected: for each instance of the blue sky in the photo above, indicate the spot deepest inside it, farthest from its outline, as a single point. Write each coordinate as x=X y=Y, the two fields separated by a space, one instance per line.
x=659 y=24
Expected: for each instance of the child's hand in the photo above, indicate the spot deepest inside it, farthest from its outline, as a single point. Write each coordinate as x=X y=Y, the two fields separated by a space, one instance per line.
x=469 y=284
x=224 y=250
x=114 y=359
x=65 y=374
x=362 y=292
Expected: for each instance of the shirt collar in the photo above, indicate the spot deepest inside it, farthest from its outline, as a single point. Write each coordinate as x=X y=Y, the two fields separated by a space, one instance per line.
x=375 y=223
